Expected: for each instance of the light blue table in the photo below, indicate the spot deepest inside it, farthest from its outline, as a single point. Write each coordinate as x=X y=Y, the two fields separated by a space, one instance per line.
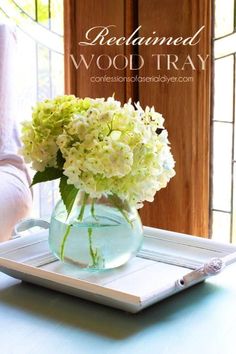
x=201 y=320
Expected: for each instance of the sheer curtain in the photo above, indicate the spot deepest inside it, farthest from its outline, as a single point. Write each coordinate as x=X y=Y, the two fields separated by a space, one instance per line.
x=15 y=195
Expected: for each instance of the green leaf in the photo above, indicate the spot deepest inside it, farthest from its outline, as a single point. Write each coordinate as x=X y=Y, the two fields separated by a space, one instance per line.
x=49 y=174
x=60 y=160
x=68 y=193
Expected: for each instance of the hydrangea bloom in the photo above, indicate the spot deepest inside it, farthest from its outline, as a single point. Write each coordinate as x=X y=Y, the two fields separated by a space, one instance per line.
x=48 y=120
x=107 y=147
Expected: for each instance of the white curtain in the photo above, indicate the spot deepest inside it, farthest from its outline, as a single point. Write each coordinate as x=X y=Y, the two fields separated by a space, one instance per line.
x=15 y=195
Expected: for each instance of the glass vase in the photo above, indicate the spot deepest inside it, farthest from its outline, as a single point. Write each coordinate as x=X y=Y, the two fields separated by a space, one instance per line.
x=98 y=234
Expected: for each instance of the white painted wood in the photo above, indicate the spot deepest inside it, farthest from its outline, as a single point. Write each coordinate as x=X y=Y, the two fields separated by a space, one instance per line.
x=167 y=263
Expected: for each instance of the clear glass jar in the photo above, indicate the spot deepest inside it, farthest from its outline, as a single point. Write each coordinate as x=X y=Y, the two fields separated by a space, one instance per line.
x=98 y=234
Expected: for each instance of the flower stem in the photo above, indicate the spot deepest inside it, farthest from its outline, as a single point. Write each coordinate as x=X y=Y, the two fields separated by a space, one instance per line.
x=93 y=210
x=62 y=249
x=81 y=214
x=113 y=199
x=91 y=250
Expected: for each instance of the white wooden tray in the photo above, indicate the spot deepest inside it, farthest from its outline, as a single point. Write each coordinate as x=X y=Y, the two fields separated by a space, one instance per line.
x=167 y=263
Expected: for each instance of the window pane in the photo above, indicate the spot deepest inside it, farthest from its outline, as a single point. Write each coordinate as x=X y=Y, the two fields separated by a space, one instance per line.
x=27 y=79
x=39 y=33
x=224 y=17
x=40 y=68
x=234 y=206
x=225 y=46
x=43 y=12
x=44 y=74
x=234 y=157
x=221 y=226
x=224 y=128
x=28 y=6
x=222 y=165
x=223 y=89
x=57 y=16
x=57 y=74
x=46 y=199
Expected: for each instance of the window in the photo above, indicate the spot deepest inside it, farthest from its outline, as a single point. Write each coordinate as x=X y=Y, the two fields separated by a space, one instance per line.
x=40 y=28
x=40 y=63
x=223 y=124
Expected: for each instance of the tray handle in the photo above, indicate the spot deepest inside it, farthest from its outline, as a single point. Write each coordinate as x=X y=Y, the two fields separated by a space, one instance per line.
x=213 y=267
x=29 y=223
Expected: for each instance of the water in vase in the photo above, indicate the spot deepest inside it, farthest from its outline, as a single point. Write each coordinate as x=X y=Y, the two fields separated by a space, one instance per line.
x=101 y=241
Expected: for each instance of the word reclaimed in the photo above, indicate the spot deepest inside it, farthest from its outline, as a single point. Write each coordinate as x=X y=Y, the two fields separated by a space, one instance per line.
x=102 y=36
x=99 y=35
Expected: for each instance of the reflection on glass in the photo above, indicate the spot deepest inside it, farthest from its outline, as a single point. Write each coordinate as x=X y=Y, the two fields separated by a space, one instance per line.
x=224 y=17
x=222 y=165
x=223 y=89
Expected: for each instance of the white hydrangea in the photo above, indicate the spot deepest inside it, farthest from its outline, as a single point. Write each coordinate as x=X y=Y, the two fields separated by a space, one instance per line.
x=107 y=147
